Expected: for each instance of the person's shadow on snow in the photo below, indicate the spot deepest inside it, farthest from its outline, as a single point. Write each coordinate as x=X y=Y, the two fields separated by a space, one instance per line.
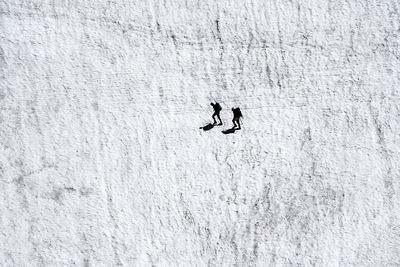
x=207 y=127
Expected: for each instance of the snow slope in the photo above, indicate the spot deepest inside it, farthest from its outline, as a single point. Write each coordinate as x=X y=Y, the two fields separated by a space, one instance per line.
x=102 y=162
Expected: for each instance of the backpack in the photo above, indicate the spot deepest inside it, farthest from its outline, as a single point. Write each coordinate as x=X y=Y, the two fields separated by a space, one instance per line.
x=237 y=113
x=217 y=107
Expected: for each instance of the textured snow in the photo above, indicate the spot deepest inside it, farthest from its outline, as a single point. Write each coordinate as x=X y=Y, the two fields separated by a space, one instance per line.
x=102 y=161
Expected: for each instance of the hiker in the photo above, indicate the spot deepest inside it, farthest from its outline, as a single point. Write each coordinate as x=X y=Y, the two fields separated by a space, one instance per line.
x=217 y=109
x=236 y=117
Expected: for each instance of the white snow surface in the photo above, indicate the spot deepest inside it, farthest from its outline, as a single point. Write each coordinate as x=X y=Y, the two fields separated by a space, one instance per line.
x=102 y=161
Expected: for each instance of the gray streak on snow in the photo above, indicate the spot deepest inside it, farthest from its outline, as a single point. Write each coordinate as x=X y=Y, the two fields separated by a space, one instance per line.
x=102 y=162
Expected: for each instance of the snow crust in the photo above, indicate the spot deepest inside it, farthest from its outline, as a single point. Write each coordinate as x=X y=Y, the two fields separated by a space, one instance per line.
x=102 y=161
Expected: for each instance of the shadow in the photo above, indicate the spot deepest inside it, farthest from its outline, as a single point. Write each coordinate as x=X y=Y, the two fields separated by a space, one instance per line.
x=229 y=131
x=207 y=127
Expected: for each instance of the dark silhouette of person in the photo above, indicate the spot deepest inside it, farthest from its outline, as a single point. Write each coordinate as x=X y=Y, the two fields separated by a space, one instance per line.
x=237 y=114
x=217 y=109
